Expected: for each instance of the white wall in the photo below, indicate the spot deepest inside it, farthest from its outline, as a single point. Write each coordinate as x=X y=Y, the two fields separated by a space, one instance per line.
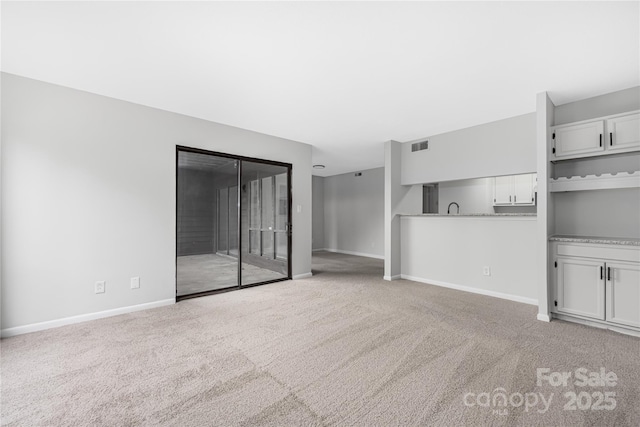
x=473 y=196
x=354 y=213
x=617 y=102
x=504 y=147
x=318 y=212
x=452 y=251
x=88 y=193
x=608 y=213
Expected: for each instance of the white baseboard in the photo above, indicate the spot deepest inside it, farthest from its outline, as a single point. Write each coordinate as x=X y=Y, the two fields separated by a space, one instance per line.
x=302 y=276
x=396 y=277
x=495 y=294
x=339 y=251
x=598 y=324
x=318 y=250
x=543 y=317
x=34 y=327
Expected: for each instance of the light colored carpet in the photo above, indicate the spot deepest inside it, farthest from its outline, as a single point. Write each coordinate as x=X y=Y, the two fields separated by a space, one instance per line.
x=201 y=273
x=341 y=348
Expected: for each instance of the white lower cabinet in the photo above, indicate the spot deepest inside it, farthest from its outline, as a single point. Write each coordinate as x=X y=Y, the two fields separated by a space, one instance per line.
x=580 y=287
x=598 y=282
x=623 y=293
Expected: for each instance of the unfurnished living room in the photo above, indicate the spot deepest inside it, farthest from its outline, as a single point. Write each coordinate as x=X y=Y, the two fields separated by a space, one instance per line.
x=320 y=213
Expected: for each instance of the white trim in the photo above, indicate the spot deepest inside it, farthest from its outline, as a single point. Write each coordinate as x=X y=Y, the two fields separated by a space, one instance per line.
x=597 y=324
x=390 y=278
x=495 y=294
x=543 y=317
x=34 y=327
x=318 y=250
x=302 y=276
x=338 y=251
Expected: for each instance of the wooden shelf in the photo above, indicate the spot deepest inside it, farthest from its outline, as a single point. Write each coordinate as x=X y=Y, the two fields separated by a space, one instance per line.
x=595 y=182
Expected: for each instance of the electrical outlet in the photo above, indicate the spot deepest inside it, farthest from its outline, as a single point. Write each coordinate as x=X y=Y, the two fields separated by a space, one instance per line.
x=135 y=283
x=486 y=270
x=100 y=287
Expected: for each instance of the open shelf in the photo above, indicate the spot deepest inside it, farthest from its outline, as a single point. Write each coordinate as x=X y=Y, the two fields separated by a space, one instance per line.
x=595 y=182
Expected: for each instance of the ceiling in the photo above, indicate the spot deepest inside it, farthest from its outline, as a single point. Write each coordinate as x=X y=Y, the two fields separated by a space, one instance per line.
x=343 y=77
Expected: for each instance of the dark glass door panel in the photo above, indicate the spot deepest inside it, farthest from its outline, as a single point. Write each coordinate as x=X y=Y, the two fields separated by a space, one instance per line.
x=207 y=223
x=265 y=237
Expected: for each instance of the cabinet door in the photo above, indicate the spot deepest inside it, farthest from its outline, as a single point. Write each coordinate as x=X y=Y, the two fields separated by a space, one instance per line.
x=623 y=293
x=580 y=287
x=523 y=189
x=579 y=140
x=503 y=190
x=623 y=133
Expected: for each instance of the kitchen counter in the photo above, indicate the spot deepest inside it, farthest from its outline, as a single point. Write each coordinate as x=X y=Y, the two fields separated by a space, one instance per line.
x=628 y=241
x=472 y=215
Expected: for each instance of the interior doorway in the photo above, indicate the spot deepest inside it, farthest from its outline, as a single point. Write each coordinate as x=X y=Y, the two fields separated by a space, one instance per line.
x=233 y=217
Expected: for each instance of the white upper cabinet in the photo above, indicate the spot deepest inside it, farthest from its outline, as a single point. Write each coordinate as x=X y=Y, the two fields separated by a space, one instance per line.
x=503 y=190
x=609 y=135
x=623 y=133
x=578 y=140
x=523 y=189
x=514 y=190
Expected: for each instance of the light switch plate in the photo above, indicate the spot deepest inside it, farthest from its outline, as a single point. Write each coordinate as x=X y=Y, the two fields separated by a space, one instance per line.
x=135 y=283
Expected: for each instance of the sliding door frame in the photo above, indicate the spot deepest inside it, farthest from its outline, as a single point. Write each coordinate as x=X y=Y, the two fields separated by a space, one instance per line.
x=239 y=285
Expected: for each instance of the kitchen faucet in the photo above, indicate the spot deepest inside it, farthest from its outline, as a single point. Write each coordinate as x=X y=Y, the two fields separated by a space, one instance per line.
x=449 y=207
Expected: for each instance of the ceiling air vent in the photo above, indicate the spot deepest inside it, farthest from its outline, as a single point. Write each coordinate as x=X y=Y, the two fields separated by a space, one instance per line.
x=419 y=146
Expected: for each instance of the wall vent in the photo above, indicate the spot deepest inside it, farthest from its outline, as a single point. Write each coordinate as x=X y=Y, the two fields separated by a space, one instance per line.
x=419 y=146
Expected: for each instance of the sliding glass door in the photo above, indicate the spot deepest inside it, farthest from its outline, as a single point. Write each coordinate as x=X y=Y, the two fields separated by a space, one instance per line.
x=265 y=218
x=207 y=223
x=232 y=223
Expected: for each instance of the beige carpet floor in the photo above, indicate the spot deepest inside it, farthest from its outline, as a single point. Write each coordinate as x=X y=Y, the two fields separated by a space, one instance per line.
x=341 y=348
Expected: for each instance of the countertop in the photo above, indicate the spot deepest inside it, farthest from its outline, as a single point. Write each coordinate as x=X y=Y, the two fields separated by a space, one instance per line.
x=474 y=214
x=628 y=241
